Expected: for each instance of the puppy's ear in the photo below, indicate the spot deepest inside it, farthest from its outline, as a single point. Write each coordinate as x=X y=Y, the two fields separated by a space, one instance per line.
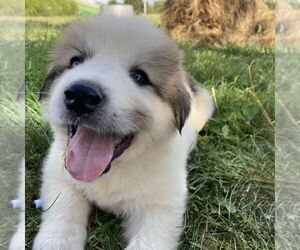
x=53 y=73
x=202 y=103
x=181 y=107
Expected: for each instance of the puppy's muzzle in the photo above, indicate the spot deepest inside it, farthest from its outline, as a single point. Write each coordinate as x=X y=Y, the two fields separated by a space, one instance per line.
x=82 y=98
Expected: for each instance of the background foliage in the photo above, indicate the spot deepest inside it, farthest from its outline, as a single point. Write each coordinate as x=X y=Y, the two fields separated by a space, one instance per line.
x=137 y=5
x=157 y=7
x=112 y=2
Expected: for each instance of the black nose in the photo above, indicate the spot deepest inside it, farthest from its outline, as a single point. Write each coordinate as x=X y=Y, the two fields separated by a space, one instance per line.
x=82 y=99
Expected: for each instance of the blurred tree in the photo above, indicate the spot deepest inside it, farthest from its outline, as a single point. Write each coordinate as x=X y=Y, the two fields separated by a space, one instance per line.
x=137 y=5
x=157 y=7
x=112 y=2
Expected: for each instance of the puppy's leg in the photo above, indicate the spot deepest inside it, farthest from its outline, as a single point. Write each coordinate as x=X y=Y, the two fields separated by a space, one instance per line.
x=64 y=223
x=155 y=228
x=18 y=240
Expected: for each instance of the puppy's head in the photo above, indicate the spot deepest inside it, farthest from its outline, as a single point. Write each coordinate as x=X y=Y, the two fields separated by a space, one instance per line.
x=116 y=88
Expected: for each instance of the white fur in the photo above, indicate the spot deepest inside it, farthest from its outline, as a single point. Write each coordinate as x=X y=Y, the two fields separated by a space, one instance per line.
x=147 y=184
x=17 y=242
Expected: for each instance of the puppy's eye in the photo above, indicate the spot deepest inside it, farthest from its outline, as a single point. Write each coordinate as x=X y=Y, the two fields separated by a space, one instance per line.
x=140 y=77
x=75 y=61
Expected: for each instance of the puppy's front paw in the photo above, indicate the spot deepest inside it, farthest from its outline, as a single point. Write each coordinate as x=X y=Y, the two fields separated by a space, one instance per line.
x=50 y=241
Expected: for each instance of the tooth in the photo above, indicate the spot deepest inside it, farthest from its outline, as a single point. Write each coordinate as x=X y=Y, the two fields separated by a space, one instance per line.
x=116 y=141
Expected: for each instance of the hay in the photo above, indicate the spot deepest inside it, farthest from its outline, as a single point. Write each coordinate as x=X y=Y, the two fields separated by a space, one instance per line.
x=287 y=24
x=219 y=21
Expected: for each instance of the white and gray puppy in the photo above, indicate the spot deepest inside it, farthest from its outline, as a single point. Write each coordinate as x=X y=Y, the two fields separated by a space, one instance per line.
x=125 y=116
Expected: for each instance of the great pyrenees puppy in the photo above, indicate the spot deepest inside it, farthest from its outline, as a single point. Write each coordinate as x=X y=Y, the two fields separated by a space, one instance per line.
x=125 y=116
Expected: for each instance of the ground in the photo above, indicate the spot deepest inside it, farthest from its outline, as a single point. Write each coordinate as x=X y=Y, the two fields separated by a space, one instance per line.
x=231 y=172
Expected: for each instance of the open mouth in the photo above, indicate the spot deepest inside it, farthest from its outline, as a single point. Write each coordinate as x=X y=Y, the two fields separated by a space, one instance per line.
x=90 y=154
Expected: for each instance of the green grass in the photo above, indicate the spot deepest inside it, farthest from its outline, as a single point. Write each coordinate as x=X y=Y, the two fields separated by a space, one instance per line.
x=86 y=10
x=50 y=8
x=11 y=123
x=287 y=146
x=11 y=152
x=11 y=8
x=231 y=172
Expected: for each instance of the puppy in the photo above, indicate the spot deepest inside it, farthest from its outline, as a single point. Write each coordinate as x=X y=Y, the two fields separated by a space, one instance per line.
x=125 y=116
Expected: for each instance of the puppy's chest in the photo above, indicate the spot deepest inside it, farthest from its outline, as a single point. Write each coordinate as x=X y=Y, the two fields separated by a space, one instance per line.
x=109 y=193
x=123 y=190
x=114 y=189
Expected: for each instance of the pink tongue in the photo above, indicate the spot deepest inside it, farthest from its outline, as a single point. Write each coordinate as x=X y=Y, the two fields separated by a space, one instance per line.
x=88 y=154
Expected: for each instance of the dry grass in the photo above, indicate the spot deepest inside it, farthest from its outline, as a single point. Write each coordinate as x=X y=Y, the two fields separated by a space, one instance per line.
x=219 y=22
x=287 y=24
